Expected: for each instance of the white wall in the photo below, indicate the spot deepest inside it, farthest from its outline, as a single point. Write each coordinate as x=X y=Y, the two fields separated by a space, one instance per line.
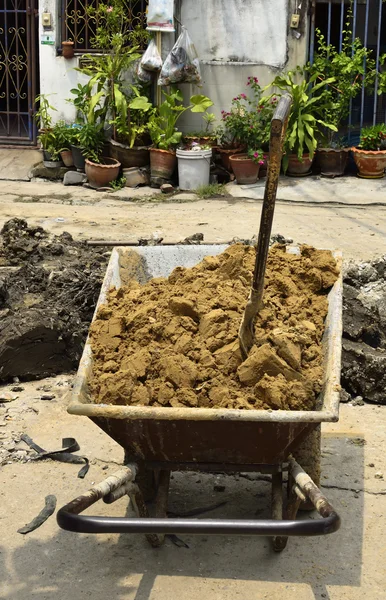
x=57 y=74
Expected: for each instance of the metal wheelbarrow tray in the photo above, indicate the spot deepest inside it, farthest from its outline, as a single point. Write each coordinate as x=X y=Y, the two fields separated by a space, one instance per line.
x=159 y=440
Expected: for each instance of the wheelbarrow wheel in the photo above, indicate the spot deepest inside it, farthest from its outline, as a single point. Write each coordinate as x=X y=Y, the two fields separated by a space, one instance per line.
x=146 y=479
x=308 y=456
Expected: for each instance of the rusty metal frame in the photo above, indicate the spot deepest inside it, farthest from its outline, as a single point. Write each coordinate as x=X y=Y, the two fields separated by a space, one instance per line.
x=19 y=58
x=123 y=482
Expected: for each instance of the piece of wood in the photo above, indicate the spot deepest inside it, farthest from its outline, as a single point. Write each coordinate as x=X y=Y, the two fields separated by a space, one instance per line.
x=255 y=299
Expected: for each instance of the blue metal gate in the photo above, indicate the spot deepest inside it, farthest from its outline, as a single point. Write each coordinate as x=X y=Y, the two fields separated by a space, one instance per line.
x=369 y=24
x=18 y=71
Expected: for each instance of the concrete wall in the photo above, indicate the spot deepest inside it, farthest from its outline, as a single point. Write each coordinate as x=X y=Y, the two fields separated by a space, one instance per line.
x=233 y=38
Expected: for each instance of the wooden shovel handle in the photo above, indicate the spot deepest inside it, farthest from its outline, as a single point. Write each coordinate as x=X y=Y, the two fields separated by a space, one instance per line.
x=276 y=143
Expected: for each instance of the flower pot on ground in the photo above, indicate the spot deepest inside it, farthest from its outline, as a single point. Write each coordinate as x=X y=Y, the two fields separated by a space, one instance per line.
x=67 y=158
x=371 y=164
x=226 y=153
x=78 y=158
x=100 y=174
x=51 y=160
x=332 y=161
x=137 y=156
x=245 y=168
x=162 y=163
x=299 y=166
x=68 y=49
x=370 y=156
x=193 y=167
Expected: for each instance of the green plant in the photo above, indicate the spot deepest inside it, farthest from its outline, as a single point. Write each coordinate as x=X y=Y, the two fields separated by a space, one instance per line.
x=348 y=70
x=118 y=184
x=248 y=121
x=162 y=125
x=42 y=115
x=90 y=139
x=209 y=119
x=107 y=96
x=82 y=102
x=211 y=190
x=373 y=138
x=310 y=101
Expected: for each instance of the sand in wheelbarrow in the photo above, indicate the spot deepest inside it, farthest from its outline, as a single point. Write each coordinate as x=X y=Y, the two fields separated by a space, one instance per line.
x=174 y=342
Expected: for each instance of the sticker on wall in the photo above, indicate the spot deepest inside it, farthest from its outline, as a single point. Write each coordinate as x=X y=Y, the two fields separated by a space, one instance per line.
x=47 y=40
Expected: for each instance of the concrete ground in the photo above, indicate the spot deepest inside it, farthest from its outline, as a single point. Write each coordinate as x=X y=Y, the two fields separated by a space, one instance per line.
x=357 y=229
x=50 y=564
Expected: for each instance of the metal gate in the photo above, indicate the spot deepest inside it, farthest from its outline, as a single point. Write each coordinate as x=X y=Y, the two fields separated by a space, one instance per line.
x=18 y=72
x=369 y=24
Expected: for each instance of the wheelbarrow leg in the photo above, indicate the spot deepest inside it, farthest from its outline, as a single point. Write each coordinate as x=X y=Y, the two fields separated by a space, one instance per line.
x=140 y=508
x=277 y=507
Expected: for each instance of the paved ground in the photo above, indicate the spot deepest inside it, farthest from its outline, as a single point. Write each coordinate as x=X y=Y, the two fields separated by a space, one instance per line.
x=16 y=163
x=358 y=230
x=50 y=564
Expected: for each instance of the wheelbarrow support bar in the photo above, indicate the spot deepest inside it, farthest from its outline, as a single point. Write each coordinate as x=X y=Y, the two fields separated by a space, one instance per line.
x=117 y=485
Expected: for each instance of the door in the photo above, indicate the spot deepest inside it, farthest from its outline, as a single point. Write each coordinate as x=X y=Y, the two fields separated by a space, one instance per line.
x=18 y=71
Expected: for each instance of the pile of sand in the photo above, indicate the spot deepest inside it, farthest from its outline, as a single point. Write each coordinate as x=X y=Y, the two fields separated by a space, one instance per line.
x=173 y=342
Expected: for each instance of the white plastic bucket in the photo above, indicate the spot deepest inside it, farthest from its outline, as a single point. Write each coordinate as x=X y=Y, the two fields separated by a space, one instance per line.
x=193 y=168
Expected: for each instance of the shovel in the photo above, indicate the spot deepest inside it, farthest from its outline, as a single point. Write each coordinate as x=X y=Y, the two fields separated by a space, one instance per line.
x=255 y=299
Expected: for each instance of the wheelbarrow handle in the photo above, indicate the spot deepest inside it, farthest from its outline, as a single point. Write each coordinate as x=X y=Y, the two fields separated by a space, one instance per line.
x=117 y=485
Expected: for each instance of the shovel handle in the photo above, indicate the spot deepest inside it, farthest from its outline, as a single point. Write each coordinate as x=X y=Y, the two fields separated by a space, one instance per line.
x=278 y=130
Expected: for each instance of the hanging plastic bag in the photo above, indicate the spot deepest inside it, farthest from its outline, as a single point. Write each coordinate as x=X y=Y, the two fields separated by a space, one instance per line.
x=151 y=60
x=182 y=64
x=144 y=76
x=160 y=15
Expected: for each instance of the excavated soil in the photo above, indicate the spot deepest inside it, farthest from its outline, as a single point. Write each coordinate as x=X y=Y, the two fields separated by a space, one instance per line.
x=49 y=286
x=364 y=331
x=173 y=342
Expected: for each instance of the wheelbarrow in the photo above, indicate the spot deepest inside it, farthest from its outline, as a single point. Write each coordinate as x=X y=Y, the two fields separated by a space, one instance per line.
x=159 y=440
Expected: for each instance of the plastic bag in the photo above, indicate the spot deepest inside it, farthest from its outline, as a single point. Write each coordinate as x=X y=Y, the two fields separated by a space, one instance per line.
x=144 y=76
x=151 y=60
x=160 y=15
x=182 y=64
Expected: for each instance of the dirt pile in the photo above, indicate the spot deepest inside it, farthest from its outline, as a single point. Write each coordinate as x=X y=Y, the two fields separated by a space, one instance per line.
x=48 y=290
x=173 y=342
x=364 y=331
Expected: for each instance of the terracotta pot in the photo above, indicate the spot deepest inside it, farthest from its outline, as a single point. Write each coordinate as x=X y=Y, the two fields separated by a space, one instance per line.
x=68 y=50
x=332 y=161
x=162 y=163
x=78 y=158
x=101 y=174
x=226 y=154
x=138 y=156
x=371 y=163
x=299 y=167
x=67 y=158
x=245 y=169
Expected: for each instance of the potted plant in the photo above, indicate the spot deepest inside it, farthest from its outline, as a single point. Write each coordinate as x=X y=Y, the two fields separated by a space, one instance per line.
x=163 y=132
x=309 y=102
x=51 y=149
x=245 y=126
x=370 y=155
x=351 y=68
x=246 y=166
x=88 y=141
x=42 y=115
x=204 y=137
x=68 y=49
x=194 y=166
x=131 y=139
x=100 y=170
x=109 y=96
